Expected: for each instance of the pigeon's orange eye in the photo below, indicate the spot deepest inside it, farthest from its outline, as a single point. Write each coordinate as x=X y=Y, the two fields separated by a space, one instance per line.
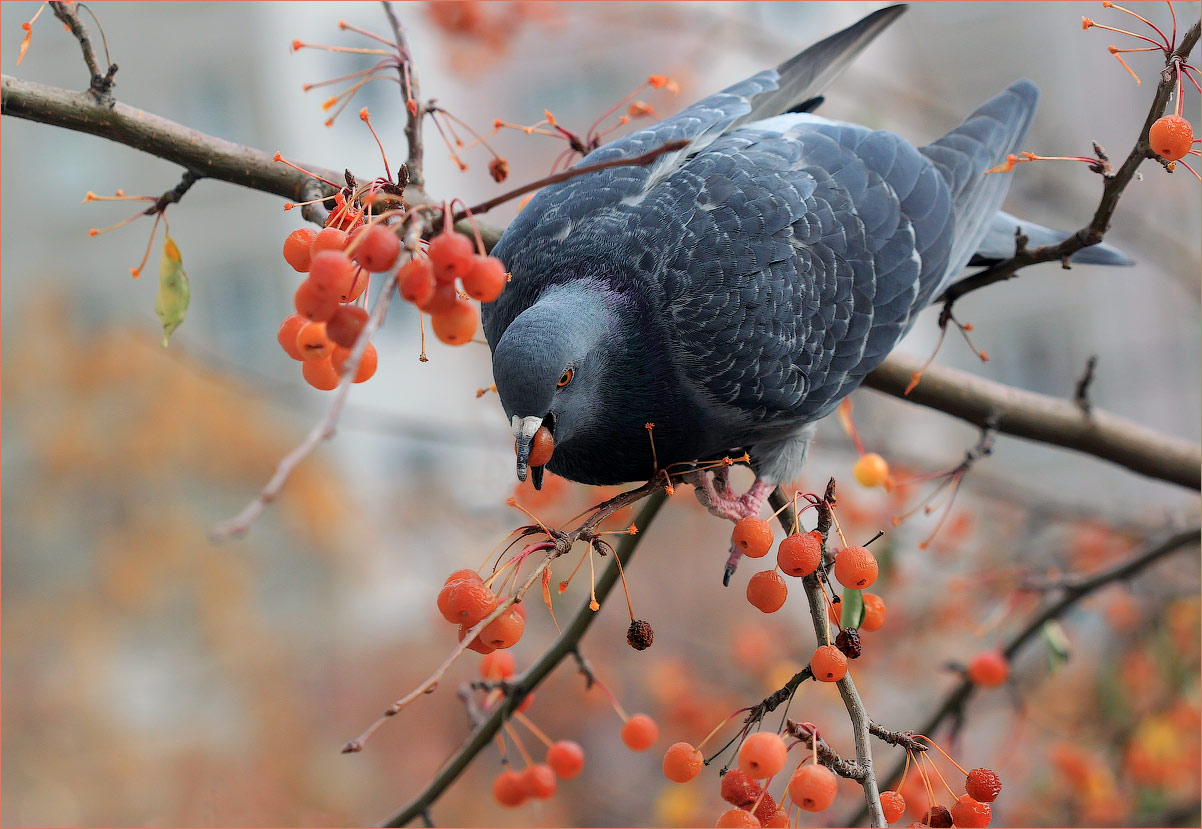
x=565 y=379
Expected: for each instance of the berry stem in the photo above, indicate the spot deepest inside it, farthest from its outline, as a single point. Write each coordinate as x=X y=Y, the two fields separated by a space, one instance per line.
x=517 y=741
x=534 y=729
x=941 y=751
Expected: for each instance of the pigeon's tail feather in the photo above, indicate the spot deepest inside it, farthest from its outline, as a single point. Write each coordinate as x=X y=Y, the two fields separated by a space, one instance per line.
x=806 y=75
x=964 y=154
x=998 y=243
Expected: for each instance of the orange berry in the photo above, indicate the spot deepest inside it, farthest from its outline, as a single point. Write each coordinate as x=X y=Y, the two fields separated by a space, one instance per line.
x=752 y=537
x=377 y=249
x=736 y=818
x=988 y=669
x=640 y=732
x=526 y=702
x=800 y=554
x=779 y=819
x=320 y=374
x=286 y=337
x=471 y=601
x=485 y=279
x=738 y=789
x=983 y=785
x=767 y=591
x=443 y=299
x=871 y=470
x=893 y=805
x=855 y=567
x=813 y=788
x=828 y=664
x=539 y=781
x=456 y=325
x=476 y=644
x=451 y=254
x=498 y=665
x=1171 y=137
x=445 y=594
x=565 y=757
x=314 y=304
x=330 y=238
x=332 y=273
x=682 y=762
x=415 y=281
x=971 y=814
x=312 y=342
x=508 y=790
x=542 y=447
x=367 y=363
x=874 y=612
x=296 y=248
x=343 y=328
x=505 y=630
x=762 y=755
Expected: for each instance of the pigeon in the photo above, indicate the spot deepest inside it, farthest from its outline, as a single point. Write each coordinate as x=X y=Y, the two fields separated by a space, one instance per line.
x=724 y=298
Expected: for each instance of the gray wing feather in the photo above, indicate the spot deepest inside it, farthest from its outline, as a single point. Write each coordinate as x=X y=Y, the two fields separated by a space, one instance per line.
x=998 y=243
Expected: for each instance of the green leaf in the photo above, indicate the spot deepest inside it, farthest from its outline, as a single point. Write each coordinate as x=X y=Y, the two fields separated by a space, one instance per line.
x=1058 y=644
x=853 y=608
x=174 y=293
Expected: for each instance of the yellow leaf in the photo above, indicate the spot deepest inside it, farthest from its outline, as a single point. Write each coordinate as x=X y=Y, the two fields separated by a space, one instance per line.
x=174 y=292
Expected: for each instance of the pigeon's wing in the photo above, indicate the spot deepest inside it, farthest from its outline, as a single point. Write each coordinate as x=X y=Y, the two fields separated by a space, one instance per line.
x=999 y=243
x=803 y=251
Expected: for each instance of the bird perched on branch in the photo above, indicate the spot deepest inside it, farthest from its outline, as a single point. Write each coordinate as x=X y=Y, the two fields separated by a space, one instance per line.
x=734 y=291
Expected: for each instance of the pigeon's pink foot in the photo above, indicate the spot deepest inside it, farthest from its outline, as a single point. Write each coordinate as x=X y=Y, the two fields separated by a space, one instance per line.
x=715 y=496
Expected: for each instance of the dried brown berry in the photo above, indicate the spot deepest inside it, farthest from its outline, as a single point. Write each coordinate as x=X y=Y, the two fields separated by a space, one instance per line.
x=640 y=635
x=937 y=817
x=848 y=641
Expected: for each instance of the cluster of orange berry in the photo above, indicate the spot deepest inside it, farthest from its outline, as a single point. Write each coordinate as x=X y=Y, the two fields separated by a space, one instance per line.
x=328 y=321
x=429 y=283
x=465 y=600
x=970 y=811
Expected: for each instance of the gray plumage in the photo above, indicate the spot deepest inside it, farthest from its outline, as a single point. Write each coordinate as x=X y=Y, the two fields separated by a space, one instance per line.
x=733 y=292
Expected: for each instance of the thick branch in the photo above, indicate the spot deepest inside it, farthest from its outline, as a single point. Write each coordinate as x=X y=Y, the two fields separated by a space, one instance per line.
x=1046 y=419
x=564 y=646
x=1112 y=188
x=205 y=155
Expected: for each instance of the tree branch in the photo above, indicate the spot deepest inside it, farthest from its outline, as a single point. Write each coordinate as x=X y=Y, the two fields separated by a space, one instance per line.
x=100 y=84
x=564 y=646
x=1041 y=418
x=1112 y=188
x=410 y=87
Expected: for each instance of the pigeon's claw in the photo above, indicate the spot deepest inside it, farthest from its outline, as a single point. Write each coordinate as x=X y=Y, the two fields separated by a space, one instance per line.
x=714 y=495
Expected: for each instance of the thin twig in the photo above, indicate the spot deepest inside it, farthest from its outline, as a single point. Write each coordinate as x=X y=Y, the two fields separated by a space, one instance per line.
x=101 y=84
x=1081 y=392
x=1112 y=188
x=414 y=116
x=173 y=195
x=566 y=645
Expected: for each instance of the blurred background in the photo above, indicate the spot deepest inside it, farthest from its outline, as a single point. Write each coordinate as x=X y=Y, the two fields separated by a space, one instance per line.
x=152 y=678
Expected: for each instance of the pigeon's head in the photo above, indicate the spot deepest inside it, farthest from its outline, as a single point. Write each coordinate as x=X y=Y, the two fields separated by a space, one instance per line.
x=551 y=365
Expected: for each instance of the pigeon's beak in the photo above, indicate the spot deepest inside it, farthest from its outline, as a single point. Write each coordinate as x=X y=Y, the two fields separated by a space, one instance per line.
x=523 y=434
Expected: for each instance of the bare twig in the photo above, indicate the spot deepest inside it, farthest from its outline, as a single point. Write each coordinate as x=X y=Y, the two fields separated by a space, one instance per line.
x=1074 y=590
x=860 y=721
x=1046 y=419
x=101 y=84
x=826 y=755
x=1112 y=188
x=1081 y=393
x=414 y=115
x=566 y=645
x=173 y=195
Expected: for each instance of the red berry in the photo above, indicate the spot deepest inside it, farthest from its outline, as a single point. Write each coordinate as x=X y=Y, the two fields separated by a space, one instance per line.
x=286 y=337
x=456 y=325
x=737 y=819
x=320 y=374
x=762 y=755
x=442 y=300
x=682 y=762
x=855 y=567
x=504 y=631
x=871 y=470
x=498 y=665
x=313 y=304
x=874 y=612
x=367 y=363
x=983 y=785
x=799 y=555
x=988 y=669
x=893 y=805
x=813 y=788
x=542 y=447
x=470 y=601
x=475 y=645
x=971 y=814
x=312 y=341
x=767 y=591
x=296 y=248
x=330 y=238
x=377 y=248
x=444 y=595
x=451 y=254
x=539 y=781
x=1171 y=137
x=565 y=757
x=640 y=732
x=508 y=790
x=343 y=328
x=485 y=279
x=778 y=820
x=332 y=273
x=828 y=664
x=752 y=537
x=738 y=789
x=766 y=810
x=415 y=280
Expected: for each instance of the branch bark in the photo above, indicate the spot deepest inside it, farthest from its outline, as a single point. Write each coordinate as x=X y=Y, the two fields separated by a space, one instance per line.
x=1041 y=418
